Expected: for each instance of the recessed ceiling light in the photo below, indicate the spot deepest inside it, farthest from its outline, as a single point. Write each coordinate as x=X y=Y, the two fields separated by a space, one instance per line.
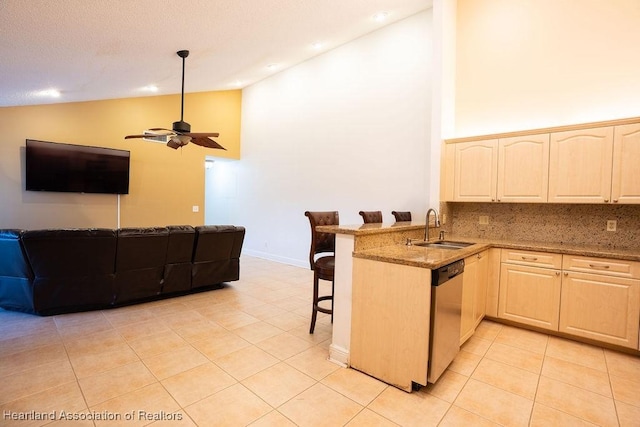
x=317 y=45
x=380 y=16
x=51 y=93
x=272 y=67
x=149 y=88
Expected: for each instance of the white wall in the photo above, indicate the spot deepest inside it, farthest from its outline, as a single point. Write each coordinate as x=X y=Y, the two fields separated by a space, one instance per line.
x=347 y=130
x=526 y=64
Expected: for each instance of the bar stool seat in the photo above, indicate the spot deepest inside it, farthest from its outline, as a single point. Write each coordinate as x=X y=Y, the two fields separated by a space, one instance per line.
x=323 y=270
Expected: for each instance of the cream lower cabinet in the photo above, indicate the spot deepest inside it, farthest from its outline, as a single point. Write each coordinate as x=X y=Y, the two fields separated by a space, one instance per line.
x=474 y=293
x=530 y=284
x=390 y=318
x=594 y=298
x=603 y=304
x=530 y=295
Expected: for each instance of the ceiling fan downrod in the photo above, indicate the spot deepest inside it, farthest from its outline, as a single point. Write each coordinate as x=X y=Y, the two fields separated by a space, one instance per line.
x=182 y=126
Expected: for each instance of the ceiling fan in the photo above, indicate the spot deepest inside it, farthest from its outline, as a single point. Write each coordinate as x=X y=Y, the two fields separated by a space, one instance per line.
x=180 y=135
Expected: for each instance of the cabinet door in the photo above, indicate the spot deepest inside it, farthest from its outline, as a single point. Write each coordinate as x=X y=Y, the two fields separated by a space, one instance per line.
x=601 y=307
x=523 y=169
x=625 y=179
x=480 y=294
x=530 y=295
x=580 y=164
x=474 y=293
x=469 y=283
x=475 y=171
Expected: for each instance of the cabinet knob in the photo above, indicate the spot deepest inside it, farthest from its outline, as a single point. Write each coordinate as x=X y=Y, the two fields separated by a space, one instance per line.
x=566 y=274
x=606 y=200
x=557 y=273
x=615 y=200
x=493 y=200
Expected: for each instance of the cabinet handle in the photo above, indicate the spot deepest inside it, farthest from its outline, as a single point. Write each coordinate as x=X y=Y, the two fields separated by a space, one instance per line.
x=599 y=266
x=529 y=258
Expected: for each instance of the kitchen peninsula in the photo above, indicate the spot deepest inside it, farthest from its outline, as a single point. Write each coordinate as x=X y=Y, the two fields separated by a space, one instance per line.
x=585 y=275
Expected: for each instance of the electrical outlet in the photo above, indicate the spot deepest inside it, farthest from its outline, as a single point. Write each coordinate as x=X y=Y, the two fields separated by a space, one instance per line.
x=612 y=224
x=483 y=220
x=195 y=208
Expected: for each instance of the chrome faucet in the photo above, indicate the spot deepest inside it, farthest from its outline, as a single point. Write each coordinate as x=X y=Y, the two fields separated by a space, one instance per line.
x=436 y=223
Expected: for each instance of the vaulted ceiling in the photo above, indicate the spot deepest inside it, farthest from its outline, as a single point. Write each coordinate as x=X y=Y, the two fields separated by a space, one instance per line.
x=102 y=49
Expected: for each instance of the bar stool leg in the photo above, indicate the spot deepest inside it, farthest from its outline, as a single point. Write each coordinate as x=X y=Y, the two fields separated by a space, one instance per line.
x=314 y=313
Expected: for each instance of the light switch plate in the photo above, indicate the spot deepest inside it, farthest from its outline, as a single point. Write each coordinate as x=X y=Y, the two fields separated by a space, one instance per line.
x=196 y=208
x=483 y=220
x=612 y=224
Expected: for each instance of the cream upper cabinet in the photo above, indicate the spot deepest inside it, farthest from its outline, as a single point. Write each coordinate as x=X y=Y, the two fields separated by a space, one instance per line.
x=523 y=169
x=625 y=180
x=580 y=164
x=475 y=171
x=506 y=170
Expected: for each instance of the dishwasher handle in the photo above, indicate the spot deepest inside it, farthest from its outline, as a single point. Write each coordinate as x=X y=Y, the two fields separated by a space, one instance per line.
x=446 y=272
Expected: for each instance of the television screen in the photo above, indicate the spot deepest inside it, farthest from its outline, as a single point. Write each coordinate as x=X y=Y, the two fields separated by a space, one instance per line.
x=52 y=166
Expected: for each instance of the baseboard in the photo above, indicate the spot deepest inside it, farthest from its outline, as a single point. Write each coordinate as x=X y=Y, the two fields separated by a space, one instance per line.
x=339 y=355
x=276 y=258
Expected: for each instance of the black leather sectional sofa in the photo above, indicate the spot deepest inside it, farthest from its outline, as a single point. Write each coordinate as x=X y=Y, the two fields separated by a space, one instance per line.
x=61 y=271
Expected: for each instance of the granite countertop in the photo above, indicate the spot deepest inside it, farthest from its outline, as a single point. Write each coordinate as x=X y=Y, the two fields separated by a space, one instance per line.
x=433 y=258
x=370 y=229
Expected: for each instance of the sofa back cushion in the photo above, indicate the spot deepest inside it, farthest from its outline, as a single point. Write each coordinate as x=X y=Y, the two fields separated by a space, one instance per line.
x=16 y=277
x=216 y=254
x=140 y=258
x=177 y=272
x=73 y=268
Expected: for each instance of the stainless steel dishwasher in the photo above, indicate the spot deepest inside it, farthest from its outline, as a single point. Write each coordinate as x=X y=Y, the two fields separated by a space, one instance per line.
x=446 y=311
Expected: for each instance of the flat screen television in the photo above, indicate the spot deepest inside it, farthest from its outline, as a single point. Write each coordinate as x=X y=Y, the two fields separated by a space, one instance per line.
x=52 y=166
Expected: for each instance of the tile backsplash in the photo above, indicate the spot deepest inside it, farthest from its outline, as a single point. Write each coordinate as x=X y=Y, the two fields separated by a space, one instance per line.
x=549 y=223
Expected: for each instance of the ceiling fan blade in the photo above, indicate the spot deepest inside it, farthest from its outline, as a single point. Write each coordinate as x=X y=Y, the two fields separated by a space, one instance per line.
x=163 y=129
x=206 y=142
x=202 y=134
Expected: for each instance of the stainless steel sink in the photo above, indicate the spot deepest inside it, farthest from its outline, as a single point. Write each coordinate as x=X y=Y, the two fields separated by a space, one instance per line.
x=443 y=244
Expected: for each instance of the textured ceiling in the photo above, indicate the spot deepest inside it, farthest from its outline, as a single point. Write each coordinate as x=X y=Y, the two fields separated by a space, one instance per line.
x=101 y=49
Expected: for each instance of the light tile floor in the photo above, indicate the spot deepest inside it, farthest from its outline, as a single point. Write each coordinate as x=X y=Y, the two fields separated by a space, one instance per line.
x=242 y=355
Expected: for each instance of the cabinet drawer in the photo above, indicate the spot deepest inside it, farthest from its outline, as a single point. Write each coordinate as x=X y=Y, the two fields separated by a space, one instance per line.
x=610 y=267
x=534 y=259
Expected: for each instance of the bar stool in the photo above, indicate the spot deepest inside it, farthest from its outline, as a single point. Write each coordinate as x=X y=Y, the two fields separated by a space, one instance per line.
x=401 y=216
x=371 y=216
x=323 y=267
